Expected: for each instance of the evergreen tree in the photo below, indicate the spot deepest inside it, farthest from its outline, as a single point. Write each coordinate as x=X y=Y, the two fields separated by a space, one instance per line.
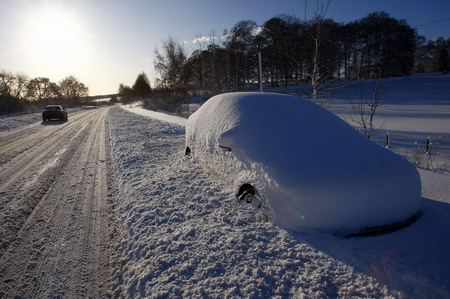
x=442 y=55
x=141 y=87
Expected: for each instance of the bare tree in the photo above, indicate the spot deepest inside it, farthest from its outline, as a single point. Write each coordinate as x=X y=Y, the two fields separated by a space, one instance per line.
x=40 y=88
x=171 y=66
x=365 y=107
x=212 y=45
x=10 y=92
x=13 y=85
x=7 y=82
x=21 y=85
x=72 y=89
x=318 y=61
x=201 y=69
x=243 y=54
x=318 y=80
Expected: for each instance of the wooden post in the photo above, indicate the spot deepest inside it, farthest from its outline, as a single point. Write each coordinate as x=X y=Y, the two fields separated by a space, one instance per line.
x=387 y=140
x=428 y=146
x=260 y=70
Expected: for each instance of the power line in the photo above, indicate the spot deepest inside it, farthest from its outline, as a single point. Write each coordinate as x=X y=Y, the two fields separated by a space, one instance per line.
x=440 y=21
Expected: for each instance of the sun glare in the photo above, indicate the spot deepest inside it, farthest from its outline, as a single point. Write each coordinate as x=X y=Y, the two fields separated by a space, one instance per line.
x=54 y=36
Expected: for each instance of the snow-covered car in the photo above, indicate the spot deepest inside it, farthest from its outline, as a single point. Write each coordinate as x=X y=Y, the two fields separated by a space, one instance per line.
x=54 y=112
x=302 y=165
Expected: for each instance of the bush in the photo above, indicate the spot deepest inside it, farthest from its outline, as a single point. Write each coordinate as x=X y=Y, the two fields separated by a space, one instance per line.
x=9 y=104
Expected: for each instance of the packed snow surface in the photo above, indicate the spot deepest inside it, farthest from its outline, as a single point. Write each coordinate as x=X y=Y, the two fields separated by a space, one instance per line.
x=315 y=171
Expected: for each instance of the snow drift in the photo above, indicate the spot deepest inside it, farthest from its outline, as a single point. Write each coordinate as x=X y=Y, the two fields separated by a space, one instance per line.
x=314 y=170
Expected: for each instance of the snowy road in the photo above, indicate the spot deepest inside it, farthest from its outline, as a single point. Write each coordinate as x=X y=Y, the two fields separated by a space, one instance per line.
x=56 y=211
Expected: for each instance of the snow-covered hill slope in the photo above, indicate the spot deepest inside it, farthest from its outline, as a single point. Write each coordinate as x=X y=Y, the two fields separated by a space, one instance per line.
x=414 y=108
x=184 y=234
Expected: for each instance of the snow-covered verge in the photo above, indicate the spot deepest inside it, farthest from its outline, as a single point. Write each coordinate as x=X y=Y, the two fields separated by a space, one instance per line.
x=184 y=234
x=10 y=122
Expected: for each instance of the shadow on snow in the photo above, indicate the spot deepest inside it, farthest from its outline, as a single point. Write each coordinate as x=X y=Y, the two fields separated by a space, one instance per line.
x=414 y=260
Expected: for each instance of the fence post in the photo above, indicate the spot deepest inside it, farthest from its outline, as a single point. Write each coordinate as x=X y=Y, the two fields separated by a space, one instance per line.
x=260 y=70
x=387 y=140
x=428 y=146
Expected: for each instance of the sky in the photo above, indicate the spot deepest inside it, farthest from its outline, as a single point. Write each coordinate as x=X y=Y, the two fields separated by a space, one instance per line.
x=108 y=42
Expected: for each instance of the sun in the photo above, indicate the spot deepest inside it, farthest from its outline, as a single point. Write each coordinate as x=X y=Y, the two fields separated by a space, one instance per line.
x=54 y=35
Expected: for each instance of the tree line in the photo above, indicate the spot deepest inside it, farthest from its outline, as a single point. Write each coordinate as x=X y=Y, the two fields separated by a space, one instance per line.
x=18 y=92
x=312 y=52
x=432 y=55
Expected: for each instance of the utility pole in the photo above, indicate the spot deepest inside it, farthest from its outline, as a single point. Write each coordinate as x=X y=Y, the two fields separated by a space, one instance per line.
x=260 y=70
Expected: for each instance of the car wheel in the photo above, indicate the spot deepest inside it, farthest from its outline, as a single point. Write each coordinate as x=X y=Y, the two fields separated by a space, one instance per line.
x=248 y=194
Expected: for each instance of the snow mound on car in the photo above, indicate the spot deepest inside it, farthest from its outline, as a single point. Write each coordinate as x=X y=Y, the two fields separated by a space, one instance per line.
x=315 y=171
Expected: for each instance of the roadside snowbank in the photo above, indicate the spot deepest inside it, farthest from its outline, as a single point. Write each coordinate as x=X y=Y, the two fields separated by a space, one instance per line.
x=10 y=122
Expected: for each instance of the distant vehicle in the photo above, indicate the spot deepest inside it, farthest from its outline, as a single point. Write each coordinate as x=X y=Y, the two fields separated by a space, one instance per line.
x=54 y=112
x=301 y=166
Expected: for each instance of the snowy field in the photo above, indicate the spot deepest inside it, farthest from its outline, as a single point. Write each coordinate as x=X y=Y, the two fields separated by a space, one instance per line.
x=414 y=108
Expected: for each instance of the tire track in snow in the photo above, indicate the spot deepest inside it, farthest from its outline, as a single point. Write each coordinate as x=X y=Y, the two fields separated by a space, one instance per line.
x=25 y=179
x=62 y=222
x=62 y=250
x=34 y=146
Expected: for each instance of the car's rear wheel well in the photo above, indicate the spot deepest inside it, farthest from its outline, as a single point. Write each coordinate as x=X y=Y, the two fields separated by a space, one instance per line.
x=246 y=188
x=250 y=195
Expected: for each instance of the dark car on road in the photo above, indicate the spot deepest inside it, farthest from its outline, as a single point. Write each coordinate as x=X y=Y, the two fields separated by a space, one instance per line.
x=54 y=112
